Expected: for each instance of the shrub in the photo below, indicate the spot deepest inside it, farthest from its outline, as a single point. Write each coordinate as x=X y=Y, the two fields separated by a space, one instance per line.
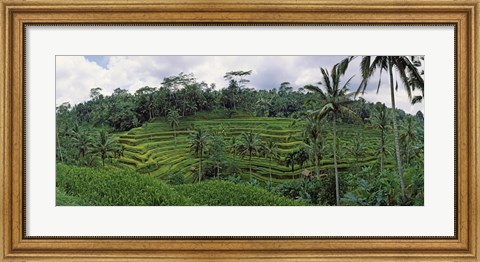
x=225 y=193
x=176 y=179
x=118 y=187
x=115 y=187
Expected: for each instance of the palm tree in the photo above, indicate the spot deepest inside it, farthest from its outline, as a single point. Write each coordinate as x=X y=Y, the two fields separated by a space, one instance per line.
x=216 y=151
x=380 y=119
x=82 y=142
x=314 y=143
x=103 y=146
x=411 y=79
x=315 y=148
x=250 y=144
x=290 y=162
x=408 y=138
x=263 y=106
x=173 y=119
x=356 y=149
x=233 y=146
x=198 y=142
x=270 y=151
x=336 y=98
x=59 y=147
x=301 y=156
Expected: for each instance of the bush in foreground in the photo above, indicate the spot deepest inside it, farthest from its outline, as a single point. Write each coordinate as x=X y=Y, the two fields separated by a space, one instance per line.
x=115 y=187
x=119 y=187
x=225 y=193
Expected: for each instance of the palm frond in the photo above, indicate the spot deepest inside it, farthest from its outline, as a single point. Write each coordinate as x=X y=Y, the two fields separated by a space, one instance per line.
x=316 y=90
x=379 y=80
x=365 y=67
x=404 y=78
x=323 y=112
x=345 y=86
x=417 y=99
x=347 y=111
x=343 y=65
x=368 y=69
x=361 y=88
x=414 y=76
x=326 y=79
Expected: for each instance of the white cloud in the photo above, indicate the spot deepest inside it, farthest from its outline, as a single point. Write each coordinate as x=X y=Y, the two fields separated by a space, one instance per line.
x=75 y=76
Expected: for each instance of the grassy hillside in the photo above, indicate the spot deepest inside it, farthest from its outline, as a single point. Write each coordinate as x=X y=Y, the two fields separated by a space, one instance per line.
x=151 y=148
x=119 y=187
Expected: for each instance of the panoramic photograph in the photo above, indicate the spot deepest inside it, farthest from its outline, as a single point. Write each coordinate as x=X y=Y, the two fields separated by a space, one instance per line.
x=240 y=130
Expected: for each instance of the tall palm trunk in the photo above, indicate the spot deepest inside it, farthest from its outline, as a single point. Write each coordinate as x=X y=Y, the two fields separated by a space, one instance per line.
x=317 y=166
x=337 y=186
x=395 y=135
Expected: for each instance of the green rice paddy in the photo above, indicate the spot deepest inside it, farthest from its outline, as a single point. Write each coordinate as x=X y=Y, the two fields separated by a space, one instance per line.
x=151 y=148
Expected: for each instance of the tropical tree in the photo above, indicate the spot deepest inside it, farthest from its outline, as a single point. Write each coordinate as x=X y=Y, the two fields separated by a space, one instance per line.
x=237 y=80
x=409 y=136
x=315 y=151
x=173 y=119
x=216 y=150
x=198 y=142
x=145 y=99
x=357 y=149
x=381 y=119
x=301 y=156
x=336 y=97
x=411 y=80
x=63 y=116
x=81 y=141
x=174 y=83
x=314 y=142
x=103 y=146
x=270 y=151
x=233 y=146
x=290 y=159
x=96 y=93
x=250 y=144
x=263 y=106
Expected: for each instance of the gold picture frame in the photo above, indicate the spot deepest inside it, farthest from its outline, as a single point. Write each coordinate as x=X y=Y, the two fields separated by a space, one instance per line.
x=16 y=14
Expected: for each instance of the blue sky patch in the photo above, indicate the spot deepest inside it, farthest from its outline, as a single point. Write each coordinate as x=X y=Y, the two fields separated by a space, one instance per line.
x=98 y=59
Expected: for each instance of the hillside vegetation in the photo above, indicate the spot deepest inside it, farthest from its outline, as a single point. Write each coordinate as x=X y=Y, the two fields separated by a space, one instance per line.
x=118 y=187
x=190 y=143
x=151 y=148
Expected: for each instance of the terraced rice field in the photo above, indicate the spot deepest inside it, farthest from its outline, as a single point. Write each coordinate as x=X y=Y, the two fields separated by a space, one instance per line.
x=151 y=148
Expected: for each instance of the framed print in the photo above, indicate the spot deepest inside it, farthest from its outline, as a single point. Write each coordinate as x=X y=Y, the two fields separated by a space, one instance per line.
x=298 y=130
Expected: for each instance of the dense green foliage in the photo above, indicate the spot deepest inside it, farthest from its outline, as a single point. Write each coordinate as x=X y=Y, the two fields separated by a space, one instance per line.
x=188 y=143
x=115 y=187
x=118 y=187
x=225 y=193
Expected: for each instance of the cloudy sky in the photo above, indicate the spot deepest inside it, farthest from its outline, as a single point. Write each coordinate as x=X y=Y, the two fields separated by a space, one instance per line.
x=76 y=75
